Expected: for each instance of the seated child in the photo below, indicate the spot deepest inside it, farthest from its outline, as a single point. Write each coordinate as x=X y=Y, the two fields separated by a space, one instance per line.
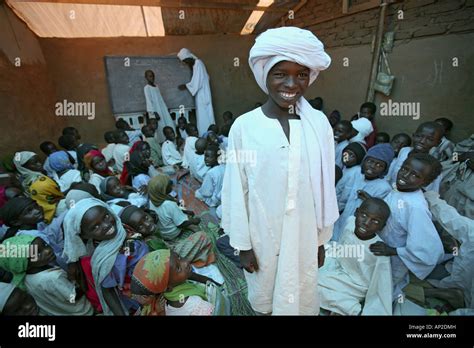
x=155 y=147
x=109 y=259
x=228 y=118
x=14 y=301
x=212 y=183
x=224 y=137
x=143 y=223
x=359 y=283
x=370 y=180
x=426 y=136
x=190 y=143
x=121 y=150
x=410 y=237
x=170 y=153
x=181 y=133
x=108 y=151
x=334 y=117
x=352 y=157
x=70 y=143
x=47 y=147
x=176 y=228
x=63 y=170
x=444 y=151
x=342 y=133
x=367 y=110
x=113 y=192
x=382 y=138
x=161 y=283
x=53 y=292
x=400 y=141
x=198 y=166
x=95 y=162
x=133 y=134
x=24 y=216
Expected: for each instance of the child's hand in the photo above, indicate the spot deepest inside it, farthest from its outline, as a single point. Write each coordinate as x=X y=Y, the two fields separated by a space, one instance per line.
x=143 y=190
x=382 y=249
x=248 y=260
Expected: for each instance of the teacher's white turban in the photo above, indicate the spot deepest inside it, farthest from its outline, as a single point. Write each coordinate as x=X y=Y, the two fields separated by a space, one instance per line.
x=185 y=53
x=287 y=43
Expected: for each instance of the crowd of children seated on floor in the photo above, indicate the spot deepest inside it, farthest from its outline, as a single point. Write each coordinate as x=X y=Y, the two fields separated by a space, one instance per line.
x=102 y=231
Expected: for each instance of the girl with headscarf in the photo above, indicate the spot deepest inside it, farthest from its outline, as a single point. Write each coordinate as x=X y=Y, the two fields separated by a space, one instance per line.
x=139 y=169
x=64 y=172
x=95 y=162
x=278 y=197
x=179 y=232
x=160 y=283
x=370 y=181
x=44 y=190
x=117 y=195
x=25 y=217
x=94 y=236
x=49 y=286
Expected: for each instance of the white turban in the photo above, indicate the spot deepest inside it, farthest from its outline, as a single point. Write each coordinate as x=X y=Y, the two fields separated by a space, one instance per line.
x=185 y=53
x=287 y=43
x=364 y=127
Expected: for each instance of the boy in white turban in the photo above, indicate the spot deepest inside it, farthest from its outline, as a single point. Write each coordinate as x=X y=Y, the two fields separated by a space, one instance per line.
x=278 y=197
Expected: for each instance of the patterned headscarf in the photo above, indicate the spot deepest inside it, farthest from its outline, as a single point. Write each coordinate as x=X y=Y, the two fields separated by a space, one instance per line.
x=152 y=272
x=28 y=176
x=17 y=263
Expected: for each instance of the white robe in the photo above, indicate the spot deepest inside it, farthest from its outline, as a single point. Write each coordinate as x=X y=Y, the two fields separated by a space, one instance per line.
x=461 y=228
x=268 y=206
x=67 y=179
x=108 y=151
x=121 y=155
x=347 y=280
x=170 y=154
x=397 y=164
x=155 y=103
x=344 y=186
x=189 y=151
x=410 y=230
x=210 y=190
x=200 y=88
x=379 y=188
x=198 y=167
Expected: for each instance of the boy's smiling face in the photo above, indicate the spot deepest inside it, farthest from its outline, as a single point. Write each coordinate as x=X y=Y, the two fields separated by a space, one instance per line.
x=413 y=175
x=426 y=138
x=98 y=224
x=341 y=132
x=142 y=223
x=287 y=82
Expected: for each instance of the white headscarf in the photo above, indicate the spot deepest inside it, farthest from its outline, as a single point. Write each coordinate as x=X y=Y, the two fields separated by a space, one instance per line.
x=104 y=255
x=364 y=127
x=301 y=46
x=28 y=176
x=6 y=290
x=185 y=53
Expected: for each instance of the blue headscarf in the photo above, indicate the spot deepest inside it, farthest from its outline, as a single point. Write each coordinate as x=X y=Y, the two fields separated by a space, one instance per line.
x=383 y=152
x=60 y=161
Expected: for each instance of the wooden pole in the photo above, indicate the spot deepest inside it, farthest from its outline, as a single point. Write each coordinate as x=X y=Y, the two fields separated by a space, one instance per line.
x=376 y=56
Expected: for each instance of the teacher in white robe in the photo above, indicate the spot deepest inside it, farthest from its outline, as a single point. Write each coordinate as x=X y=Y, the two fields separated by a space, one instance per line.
x=278 y=198
x=200 y=88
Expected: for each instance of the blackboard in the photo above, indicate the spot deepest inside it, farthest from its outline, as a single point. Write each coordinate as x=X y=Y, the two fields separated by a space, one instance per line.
x=126 y=79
